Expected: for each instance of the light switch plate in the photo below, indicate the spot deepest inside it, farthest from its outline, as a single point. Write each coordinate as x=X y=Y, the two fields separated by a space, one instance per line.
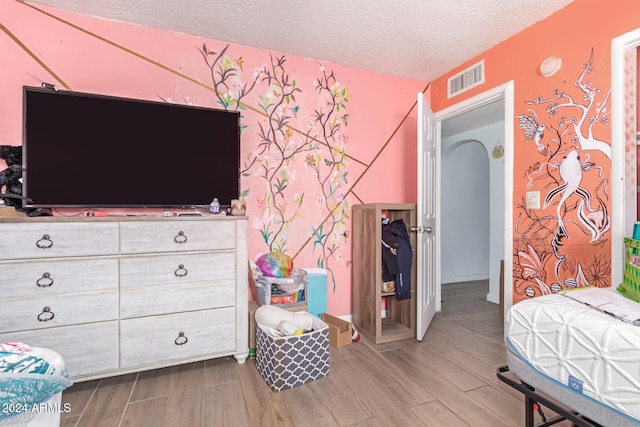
x=533 y=200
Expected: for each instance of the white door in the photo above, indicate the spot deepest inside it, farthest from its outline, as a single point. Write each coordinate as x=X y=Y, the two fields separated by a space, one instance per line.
x=428 y=251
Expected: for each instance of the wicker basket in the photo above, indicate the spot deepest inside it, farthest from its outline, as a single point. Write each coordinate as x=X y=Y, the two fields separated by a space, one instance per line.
x=630 y=287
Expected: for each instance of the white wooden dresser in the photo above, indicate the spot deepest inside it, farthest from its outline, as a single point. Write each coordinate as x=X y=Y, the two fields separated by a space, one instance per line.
x=115 y=295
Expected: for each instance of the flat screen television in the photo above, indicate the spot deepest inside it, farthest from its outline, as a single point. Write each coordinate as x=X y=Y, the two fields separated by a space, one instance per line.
x=88 y=150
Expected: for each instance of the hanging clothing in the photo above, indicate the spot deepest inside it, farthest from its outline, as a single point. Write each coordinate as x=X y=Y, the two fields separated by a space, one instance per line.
x=389 y=253
x=397 y=256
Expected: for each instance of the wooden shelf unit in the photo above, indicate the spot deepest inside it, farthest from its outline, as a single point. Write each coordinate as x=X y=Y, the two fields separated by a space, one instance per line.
x=367 y=295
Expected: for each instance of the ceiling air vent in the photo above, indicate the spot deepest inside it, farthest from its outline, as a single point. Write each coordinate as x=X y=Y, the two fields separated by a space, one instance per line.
x=466 y=79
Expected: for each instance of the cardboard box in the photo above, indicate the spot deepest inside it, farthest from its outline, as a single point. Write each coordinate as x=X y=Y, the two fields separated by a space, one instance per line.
x=10 y=211
x=340 y=331
x=288 y=362
x=295 y=307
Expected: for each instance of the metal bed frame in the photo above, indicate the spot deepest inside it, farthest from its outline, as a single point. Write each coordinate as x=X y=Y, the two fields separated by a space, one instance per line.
x=533 y=401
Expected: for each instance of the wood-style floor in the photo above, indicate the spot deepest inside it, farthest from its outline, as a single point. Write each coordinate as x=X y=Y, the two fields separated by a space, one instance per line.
x=449 y=379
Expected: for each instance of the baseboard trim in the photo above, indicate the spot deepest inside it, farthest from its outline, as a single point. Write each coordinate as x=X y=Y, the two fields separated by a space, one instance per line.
x=465 y=278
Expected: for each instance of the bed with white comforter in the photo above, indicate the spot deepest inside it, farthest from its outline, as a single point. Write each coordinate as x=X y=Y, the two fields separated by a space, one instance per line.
x=582 y=348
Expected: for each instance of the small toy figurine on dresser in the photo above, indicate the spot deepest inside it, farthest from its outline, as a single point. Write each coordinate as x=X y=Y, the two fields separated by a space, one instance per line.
x=214 y=206
x=11 y=177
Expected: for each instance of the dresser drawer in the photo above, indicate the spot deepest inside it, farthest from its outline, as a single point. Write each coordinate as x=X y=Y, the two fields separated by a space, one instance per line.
x=176 y=337
x=57 y=310
x=171 y=236
x=144 y=271
x=86 y=349
x=174 y=299
x=55 y=239
x=54 y=277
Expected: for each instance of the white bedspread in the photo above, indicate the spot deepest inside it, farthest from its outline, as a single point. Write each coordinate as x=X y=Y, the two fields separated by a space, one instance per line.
x=581 y=348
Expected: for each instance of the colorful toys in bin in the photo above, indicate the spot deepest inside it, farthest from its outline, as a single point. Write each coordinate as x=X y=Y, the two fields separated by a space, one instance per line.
x=275 y=281
x=285 y=298
x=280 y=322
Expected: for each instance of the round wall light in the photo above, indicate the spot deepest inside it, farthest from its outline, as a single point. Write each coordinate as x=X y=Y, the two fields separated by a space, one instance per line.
x=550 y=66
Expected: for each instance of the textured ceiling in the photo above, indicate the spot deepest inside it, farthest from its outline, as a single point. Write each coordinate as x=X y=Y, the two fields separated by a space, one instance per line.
x=417 y=39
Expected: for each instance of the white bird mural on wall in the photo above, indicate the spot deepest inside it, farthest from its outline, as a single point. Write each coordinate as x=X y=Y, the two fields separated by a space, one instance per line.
x=571 y=174
x=574 y=227
x=533 y=130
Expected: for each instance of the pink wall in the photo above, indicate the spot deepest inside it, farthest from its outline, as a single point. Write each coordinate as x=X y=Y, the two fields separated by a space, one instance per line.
x=568 y=242
x=85 y=54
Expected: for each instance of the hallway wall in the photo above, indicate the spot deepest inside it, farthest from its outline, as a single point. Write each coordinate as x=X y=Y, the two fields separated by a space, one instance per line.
x=473 y=207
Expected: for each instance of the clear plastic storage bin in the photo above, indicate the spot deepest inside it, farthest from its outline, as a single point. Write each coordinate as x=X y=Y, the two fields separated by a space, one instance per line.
x=281 y=291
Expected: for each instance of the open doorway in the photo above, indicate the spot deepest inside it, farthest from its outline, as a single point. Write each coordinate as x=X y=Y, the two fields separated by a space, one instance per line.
x=473 y=197
x=486 y=118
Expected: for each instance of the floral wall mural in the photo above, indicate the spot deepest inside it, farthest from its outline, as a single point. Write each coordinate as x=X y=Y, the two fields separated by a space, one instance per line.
x=570 y=169
x=270 y=169
x=312 y=133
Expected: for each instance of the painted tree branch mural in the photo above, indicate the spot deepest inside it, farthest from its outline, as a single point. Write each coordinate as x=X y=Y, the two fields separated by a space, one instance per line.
x=279 y=146
x=330 y=168
x=275 y=156
x=323 y=146
x=590 y=111
x=225 y=75
x=575 y=204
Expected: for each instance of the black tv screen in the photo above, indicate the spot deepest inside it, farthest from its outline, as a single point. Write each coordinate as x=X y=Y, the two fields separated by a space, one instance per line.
x=88 y=150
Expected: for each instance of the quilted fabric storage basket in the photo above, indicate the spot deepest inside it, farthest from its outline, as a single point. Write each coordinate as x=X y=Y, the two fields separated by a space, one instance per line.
x=292 y=361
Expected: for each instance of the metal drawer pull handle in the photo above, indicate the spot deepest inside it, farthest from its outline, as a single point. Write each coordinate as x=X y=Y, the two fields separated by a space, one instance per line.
x=45 y=242
x=180 y=238
x=46 y=314
x=45 y=281
x=181 y=340
x=181 y=271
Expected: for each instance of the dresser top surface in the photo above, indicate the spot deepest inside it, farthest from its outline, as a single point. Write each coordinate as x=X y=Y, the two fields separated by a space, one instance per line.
x=124 y=218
